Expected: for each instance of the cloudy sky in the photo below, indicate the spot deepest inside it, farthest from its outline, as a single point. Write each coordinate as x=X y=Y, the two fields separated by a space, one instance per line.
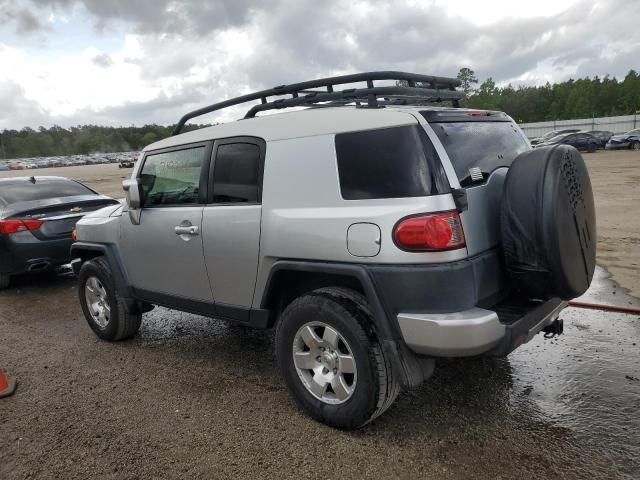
x=124 y=62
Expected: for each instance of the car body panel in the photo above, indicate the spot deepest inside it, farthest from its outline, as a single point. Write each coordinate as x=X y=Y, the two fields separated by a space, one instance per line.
x=159 y=260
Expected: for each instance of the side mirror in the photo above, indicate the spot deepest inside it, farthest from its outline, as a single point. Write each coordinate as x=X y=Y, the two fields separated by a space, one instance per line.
x=132 y=188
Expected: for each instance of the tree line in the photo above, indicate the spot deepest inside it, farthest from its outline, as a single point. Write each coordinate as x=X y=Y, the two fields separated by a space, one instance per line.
x=83 y=139
x=581 y=98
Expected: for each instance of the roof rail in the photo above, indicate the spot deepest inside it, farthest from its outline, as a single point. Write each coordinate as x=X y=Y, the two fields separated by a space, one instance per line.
x=418 y=90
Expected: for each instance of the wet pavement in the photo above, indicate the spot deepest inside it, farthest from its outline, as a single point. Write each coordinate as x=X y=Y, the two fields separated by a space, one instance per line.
x=195 y=398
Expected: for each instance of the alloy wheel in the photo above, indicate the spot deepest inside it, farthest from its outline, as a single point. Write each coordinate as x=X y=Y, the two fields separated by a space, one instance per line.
x=324 y=362
x=97 y=301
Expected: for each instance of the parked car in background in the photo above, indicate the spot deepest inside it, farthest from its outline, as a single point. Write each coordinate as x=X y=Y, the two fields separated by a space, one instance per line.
x=3 y=167
x=553 y=133
x=602 y=135
x=630 y=140
x=580 y=140
x=37 y=216
x=126 y=163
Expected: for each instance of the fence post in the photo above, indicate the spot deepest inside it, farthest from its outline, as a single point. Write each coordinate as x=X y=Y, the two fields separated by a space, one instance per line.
x=635 y=119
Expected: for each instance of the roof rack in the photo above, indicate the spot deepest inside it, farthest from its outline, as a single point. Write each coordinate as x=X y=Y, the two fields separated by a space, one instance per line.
x=419 y=89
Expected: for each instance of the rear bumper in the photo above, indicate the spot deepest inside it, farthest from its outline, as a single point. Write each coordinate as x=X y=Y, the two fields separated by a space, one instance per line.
x=475 y=331
x=23 y=252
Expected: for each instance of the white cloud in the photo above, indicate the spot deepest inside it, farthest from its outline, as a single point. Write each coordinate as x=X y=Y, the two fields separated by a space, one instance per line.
x=179 y=56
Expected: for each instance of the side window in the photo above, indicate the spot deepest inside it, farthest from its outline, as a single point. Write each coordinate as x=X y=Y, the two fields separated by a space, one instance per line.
x=237 y=173
x=172 y=178
x=396 y=162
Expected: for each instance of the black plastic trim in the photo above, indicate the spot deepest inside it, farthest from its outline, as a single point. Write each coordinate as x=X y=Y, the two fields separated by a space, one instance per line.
x=441 y=287
x=518 y=332
x=410 y=368
x=387 y=328
x=248 y=316
x=109 y=251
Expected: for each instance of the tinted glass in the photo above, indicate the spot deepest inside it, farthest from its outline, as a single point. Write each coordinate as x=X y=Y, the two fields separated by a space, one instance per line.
x=486 y=145
x=24 y=191
x=236 y=173
x=388 y=163
x=172 y=178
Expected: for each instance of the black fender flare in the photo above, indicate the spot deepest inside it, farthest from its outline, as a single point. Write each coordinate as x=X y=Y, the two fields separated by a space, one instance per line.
x=88 y=250
x=411 y=369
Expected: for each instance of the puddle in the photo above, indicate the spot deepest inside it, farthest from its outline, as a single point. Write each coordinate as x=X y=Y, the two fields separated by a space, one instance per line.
x=587 y=380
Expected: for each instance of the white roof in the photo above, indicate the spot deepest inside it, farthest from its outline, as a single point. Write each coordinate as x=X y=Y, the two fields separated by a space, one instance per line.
x=296 y=124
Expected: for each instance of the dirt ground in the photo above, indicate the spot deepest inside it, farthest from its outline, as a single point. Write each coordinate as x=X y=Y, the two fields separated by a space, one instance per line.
x=615 y=176
x=190 y=397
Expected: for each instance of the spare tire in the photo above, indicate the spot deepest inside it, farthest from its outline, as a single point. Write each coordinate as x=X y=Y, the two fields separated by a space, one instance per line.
x=548 y=223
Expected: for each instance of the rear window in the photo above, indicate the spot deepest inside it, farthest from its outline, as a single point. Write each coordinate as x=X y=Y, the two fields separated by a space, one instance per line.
x=393 y=162
x=25 y=191
x=486 y=145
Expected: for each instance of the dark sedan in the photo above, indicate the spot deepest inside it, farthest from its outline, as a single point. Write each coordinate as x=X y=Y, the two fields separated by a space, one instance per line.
x=581 y=141
x=626 y=140
x=37 y=216
x=603 y=136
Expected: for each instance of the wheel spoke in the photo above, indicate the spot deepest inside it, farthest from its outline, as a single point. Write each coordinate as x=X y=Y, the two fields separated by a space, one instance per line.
x=318 y=385
x=310 y=338
x=347 y=363
x=340 y=387
x=330 y=336
x=305 y=360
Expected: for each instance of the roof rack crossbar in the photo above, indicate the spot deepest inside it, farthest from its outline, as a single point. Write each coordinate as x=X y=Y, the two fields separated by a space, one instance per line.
x=418 y=94
x=440 y=88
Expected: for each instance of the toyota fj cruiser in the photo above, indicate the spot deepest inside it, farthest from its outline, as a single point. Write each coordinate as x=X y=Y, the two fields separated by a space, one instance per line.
x=374 y=230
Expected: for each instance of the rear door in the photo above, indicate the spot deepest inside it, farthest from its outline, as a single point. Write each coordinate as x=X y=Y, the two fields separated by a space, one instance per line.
x=231 y=223
x=477 y=143
x=163 y=254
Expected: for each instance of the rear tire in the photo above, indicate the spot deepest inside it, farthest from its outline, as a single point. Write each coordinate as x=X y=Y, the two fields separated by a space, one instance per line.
x=592 y=148
x=635 y=146
x=333 y=324
x=4 y=281
x=103 y=308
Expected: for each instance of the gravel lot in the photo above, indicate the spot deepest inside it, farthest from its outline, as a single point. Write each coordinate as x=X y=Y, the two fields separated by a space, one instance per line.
x=194 y=398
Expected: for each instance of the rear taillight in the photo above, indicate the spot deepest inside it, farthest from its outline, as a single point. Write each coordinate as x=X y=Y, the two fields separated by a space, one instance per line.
x=14 y=225
x=432 y=232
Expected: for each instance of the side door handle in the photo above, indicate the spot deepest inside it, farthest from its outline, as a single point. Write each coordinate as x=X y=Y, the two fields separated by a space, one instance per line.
x=186 y=230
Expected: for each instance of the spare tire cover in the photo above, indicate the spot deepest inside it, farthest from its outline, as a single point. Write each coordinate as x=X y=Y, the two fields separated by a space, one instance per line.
x=548 y=223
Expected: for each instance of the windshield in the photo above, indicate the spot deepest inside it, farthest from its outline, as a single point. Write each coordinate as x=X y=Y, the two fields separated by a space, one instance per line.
x=485 y=145
x=633 y=132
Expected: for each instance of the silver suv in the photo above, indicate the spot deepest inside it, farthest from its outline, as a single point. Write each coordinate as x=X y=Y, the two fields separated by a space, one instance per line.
x=374 y=231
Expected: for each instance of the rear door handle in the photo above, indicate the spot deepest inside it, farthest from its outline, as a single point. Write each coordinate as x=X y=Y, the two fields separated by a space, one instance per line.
x=189 y=230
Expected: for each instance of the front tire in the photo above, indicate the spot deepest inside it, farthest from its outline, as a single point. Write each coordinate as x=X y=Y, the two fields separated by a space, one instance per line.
x=4 y=281
x=103 y=308
x=331 y=359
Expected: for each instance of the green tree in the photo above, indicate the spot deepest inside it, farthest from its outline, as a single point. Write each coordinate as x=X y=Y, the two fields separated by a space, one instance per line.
x=467 y=77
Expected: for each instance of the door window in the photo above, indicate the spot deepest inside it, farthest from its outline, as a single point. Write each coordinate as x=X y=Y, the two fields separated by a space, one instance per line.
x=237 y=173
x=172 y=178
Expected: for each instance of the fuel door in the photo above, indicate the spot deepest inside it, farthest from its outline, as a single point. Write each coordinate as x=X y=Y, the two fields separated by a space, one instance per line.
x=363 y=239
